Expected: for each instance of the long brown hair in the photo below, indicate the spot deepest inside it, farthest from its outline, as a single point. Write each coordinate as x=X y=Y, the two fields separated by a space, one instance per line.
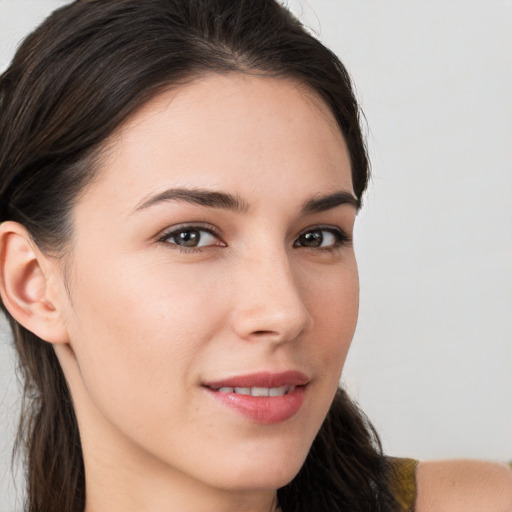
x=70 y=85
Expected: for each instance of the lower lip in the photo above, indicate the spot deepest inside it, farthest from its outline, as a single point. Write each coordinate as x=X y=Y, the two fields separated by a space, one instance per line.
x=263 y=409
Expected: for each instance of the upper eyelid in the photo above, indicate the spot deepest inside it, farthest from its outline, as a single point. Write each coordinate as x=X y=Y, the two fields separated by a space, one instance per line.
x=200 y=226
x=325 y=227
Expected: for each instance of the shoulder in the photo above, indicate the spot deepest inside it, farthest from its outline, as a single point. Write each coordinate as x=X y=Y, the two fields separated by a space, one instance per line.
x=463 y=485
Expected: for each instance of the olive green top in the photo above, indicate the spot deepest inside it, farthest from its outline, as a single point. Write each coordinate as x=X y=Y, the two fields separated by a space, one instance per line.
x=404 y=482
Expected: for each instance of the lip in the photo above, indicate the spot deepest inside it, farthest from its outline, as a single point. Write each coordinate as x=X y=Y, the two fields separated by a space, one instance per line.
x=262 y=379
x=265 y=410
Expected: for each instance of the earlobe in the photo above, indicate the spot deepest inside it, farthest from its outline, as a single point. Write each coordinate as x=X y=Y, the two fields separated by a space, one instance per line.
x=24 y=284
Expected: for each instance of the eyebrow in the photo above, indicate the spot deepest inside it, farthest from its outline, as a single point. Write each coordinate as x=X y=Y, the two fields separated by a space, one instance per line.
x=225 y=201
x=200 y=197
x=330 y=201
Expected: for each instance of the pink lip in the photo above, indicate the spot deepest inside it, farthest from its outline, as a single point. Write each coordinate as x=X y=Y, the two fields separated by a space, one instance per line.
x=265 y=410
x=262 y=379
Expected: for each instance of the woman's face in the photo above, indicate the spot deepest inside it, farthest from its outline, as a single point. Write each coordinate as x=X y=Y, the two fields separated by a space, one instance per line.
x=212 y=258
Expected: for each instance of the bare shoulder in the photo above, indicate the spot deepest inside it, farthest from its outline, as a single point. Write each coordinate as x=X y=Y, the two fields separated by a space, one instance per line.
x=463 y=485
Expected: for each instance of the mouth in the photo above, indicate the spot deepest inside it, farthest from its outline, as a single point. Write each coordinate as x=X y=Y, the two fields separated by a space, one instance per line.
x=264 y=398
x=257 y=391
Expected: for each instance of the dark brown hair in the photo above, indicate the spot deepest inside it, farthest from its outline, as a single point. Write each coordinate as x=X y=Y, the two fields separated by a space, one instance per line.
x=71 y=84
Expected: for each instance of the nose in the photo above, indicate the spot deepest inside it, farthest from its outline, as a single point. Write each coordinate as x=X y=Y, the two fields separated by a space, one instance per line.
x=268 y=304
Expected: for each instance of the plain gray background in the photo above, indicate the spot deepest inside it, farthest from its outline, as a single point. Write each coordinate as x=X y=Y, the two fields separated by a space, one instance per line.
x=431 y=362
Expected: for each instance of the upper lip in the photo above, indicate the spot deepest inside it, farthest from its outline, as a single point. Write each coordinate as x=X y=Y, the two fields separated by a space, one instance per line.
x=262 y=379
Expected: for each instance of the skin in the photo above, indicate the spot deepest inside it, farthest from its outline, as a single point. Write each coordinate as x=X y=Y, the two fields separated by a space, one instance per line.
x=463 y=486
x=145 y=322
x=139 y=323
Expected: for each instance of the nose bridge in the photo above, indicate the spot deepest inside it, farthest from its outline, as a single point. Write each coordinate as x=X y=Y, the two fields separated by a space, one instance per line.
x=269 y=302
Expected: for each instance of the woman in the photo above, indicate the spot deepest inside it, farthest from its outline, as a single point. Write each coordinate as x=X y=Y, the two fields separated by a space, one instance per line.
x=179 y=187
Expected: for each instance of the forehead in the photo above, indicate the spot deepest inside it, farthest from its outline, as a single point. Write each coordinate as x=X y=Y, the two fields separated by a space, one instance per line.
x=241 y=131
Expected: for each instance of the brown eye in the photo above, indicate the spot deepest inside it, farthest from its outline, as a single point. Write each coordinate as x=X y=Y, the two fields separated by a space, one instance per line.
x=320 y=238
x=311 y=239
x=191 y=238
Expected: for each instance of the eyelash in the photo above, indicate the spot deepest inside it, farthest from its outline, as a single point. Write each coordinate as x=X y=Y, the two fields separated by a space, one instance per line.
x=341 y=237
x=175 y=231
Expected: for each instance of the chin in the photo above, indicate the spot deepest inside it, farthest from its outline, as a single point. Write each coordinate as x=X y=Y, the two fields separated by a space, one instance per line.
x=266 y=472
x=262 y=458
x=268 y=480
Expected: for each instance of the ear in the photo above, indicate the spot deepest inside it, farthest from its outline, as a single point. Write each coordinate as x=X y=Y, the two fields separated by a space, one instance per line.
x=28 y=284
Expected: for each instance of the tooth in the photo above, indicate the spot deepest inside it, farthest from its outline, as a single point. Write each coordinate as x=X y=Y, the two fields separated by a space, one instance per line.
x=259 y=391
x=243 y=391
x=277 y=391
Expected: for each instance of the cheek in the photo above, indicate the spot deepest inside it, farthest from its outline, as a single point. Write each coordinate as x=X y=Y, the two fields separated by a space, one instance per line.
x=142 y=334
x=138 y=332
x=334 y=305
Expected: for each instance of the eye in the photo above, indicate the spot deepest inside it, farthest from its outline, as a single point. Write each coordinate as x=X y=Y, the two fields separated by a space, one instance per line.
x=191 y=237
x=322 y=238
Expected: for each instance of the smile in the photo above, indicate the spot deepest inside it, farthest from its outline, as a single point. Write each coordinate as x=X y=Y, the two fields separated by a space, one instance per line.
x=263 y=398
x=258 y=391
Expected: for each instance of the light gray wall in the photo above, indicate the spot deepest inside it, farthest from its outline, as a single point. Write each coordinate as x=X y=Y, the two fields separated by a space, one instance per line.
x=432 y=357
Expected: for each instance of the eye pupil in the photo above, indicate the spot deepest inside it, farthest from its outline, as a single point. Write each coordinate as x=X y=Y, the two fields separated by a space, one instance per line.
x=189 y=238
x=312 y=239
